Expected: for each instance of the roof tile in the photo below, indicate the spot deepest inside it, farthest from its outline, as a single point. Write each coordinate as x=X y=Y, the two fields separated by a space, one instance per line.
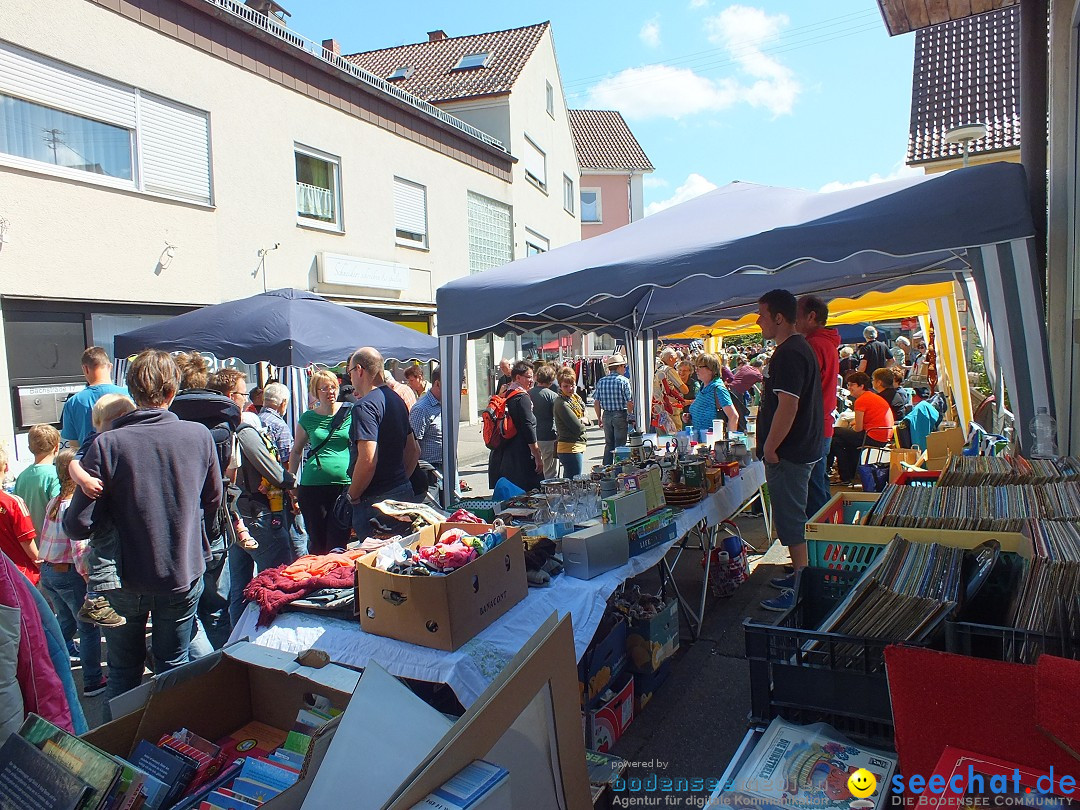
x=966 y=72
x=604 y=141
x=433 y=77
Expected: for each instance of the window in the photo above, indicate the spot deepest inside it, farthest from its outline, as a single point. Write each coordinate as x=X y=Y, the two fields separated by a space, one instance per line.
x=62 y=121
x=590 y=205
x=410 y=213
x=535 y=162
x=491 y=238
x=550 y=99
x=400 y=73
x=473 y=60
x=318 y=192
x=568 y=194
x=535 y=243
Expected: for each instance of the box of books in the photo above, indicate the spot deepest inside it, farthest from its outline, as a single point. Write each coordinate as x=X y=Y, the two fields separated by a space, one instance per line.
x=446 y=610
x=248 y=723
x=849 y=532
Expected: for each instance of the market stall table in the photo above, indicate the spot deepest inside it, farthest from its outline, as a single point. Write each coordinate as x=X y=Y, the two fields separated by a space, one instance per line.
x=469 y=669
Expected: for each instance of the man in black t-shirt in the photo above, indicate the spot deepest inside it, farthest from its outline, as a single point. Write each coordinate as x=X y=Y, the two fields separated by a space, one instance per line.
x=874 y=353
x=790 y=427
x=383 y=450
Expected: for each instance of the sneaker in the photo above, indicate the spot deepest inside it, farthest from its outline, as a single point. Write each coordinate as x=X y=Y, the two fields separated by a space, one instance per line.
x=98 y=611
x=780 y=604
x=73 y=652
x=784 y=583
x=97 y=689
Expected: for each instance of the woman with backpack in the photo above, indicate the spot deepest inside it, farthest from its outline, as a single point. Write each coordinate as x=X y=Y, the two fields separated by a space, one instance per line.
x=325 y=428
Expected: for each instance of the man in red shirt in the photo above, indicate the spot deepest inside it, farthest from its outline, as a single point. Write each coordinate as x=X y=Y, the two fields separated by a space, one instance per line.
x=17 y=535
x=810 y=319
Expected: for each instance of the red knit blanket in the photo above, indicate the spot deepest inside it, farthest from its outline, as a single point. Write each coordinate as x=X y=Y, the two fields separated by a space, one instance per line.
x=272 y=589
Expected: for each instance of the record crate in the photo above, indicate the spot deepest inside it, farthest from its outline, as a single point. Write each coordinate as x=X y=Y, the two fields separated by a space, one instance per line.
x=837 y=537
x=807 y=676
x=1009 y=644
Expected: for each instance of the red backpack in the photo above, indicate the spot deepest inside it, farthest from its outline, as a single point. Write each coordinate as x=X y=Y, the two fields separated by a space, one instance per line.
x=497 y=424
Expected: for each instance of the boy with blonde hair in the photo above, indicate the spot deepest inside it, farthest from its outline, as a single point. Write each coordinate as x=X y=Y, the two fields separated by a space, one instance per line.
x=103 y=572
x=38 y=484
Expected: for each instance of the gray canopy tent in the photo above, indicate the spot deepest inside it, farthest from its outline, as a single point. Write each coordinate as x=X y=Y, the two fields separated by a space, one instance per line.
x=713 y=257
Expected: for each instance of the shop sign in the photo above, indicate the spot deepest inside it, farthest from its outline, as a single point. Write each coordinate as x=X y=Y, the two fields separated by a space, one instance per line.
x=353 y=271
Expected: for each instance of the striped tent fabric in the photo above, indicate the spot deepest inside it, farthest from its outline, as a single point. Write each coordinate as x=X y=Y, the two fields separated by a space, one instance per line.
x=119 y=371
x=296 y=380
x=950 y=353
x=1009 y=295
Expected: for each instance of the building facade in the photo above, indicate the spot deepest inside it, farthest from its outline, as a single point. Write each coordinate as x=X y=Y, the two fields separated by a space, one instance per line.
x=203 y=152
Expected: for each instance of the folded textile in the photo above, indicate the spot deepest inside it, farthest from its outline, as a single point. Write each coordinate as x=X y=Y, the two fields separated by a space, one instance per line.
x=447 y=556
x=419 y=513
x=274 y=588
x=464 y=516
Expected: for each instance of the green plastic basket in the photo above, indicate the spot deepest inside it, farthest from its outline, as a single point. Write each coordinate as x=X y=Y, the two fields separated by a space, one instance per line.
x=842 y=554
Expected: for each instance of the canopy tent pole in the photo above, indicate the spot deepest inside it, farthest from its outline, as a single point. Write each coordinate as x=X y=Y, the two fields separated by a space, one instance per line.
x=451 y=369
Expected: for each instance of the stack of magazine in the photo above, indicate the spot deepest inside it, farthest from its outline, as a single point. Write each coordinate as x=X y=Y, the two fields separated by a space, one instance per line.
x=902 y=596
x=1048 y=599
x=982 y=508
x=968 y=471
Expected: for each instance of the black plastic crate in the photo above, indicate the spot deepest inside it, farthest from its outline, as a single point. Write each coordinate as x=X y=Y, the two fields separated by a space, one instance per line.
x=1006 y=643
x=806 y=676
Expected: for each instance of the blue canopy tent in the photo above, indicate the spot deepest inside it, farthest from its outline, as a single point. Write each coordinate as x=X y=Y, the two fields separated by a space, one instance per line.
x=713 y=257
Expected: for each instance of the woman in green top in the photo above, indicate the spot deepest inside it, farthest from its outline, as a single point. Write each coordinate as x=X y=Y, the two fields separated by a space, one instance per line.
x=570 y=423
x=326 y=470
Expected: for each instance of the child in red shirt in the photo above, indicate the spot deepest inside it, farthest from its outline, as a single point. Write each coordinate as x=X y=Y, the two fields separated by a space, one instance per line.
x=17 y=535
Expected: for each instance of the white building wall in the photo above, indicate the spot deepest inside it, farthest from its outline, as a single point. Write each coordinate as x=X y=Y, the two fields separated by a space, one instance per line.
x=77 y=240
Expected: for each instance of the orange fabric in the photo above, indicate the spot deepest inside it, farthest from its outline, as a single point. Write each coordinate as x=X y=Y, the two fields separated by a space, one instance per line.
x=877 y=416
x=317 y=565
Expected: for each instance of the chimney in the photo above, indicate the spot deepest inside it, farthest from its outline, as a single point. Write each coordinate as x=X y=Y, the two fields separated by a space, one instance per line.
x=436 y=36
x=332 y=46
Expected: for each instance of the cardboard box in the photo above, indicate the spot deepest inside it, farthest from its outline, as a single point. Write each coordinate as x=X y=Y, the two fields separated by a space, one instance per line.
x=606 y=722
x=650 y=642
x=591 y=551
x=647 y=481
x=653 y=533
x=941 y=444
x=646 y=684
x=604 y=659
x=220 y=694
x=446 y=611
x=624 y=508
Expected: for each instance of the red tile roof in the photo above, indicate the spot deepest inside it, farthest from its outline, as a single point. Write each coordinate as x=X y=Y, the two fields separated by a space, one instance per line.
x=604 y=141
x=966 y=72
x=433 y=77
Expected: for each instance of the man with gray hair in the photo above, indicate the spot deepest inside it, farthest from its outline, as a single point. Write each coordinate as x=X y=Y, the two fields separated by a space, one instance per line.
x=382 y=448
x=874 y=353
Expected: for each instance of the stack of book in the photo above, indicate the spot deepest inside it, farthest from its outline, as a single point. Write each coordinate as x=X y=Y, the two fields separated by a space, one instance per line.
x=1048 y=599
x=983 y=508
x=967 y=471
x=902 y=596
x=45 y=766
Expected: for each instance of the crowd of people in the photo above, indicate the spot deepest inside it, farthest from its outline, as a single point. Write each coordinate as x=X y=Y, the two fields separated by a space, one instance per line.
x=157 y=502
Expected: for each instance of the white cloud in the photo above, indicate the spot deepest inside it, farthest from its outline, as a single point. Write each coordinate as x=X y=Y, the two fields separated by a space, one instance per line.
x=661 y=91
x=654 y=182
x=650 y=32
x=898 y=171
x=699 y=3
x=695 y=186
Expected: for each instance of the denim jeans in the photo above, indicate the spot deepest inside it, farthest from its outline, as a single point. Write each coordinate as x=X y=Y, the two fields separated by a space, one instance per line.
x=297 y=533
x=275 y=548
x=615 y=423
x=174 y=620
x=363 y=512
x=818 y=492
x=572 y=463
x=67 y=589
x=788 y=483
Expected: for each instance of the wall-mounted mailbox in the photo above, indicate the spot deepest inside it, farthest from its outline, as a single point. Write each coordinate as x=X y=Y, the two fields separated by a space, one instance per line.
x=43 y=404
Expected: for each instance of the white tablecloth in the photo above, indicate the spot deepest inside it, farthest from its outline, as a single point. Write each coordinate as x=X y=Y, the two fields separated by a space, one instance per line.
x=469 y=669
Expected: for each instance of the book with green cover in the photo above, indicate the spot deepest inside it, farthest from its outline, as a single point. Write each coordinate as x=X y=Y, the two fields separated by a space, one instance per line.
x=92 y=765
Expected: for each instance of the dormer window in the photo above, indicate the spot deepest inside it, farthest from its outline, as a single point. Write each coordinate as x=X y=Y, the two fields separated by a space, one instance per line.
x=473 y=60
x=400 y=73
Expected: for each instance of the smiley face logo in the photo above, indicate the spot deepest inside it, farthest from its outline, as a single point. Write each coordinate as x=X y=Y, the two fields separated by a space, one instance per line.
x=862 y=783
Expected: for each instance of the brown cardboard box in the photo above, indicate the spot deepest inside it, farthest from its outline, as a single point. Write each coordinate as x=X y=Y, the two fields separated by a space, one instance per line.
x=446 y=611
x=941 y=444
x=220 y=694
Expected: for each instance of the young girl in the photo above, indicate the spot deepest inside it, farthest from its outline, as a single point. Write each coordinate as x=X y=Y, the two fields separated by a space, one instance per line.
x=63 y=578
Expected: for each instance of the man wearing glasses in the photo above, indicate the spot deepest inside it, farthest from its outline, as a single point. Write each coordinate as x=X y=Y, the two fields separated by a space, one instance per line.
x=383 y=450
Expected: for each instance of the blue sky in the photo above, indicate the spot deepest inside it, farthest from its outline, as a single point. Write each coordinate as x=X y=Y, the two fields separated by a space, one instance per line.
x=803 y=93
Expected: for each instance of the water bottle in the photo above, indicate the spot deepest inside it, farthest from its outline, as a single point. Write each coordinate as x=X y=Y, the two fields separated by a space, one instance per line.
x=1044 y=429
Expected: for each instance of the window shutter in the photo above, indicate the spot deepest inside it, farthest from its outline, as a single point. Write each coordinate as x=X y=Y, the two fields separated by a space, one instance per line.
x=535 y=162
x=174 y=146
x=410 y=207
x=43 y=81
